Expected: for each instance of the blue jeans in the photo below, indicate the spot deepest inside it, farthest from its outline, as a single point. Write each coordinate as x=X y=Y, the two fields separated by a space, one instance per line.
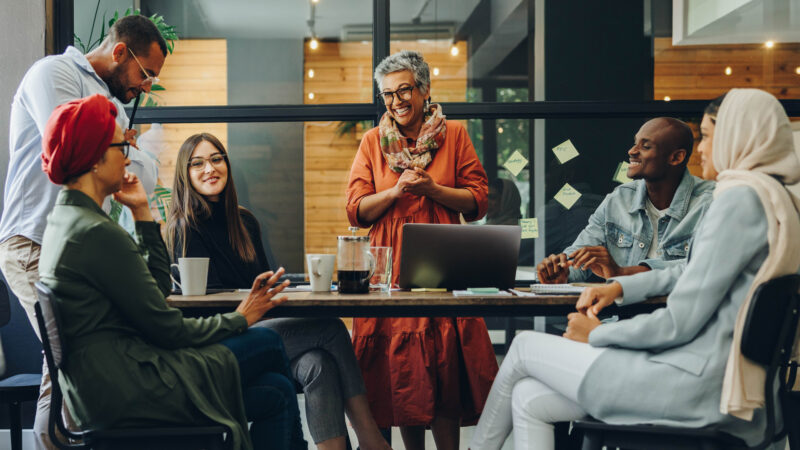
x=270 y=399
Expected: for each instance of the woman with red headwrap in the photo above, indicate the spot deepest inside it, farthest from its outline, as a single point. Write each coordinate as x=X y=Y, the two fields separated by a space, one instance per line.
x=132 y=360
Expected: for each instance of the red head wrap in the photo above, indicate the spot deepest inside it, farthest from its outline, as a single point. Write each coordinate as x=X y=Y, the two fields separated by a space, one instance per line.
x=76 y=136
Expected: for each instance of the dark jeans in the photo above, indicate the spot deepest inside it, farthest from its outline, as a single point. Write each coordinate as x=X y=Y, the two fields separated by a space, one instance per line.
x=270 y=399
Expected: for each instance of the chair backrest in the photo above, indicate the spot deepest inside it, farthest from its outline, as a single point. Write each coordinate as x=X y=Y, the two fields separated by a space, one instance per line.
x=770 y=323
x=768 y=337
x=49 y=321
x=50 y=326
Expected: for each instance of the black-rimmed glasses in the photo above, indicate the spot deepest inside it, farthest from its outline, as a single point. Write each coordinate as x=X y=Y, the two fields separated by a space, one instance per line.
x=404 y=94
x=125 y=147
x=198 y=163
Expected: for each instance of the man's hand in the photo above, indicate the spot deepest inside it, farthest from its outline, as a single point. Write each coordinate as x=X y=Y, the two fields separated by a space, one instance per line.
x=597 y=259
x=580 y=325
x=554 y=269
x=130 y=136
x=594 y=299
x=422 y=185
x=134 y=197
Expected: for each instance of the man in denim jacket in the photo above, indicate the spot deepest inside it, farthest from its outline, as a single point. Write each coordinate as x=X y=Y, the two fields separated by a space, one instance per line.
x=620 y=238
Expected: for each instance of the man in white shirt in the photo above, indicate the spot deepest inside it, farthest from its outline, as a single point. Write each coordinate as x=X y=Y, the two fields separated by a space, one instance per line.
x=125 y=64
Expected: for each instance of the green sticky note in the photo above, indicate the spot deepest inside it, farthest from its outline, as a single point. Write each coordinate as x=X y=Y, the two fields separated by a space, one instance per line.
x=530 y=228
x=621 y=174
x=567 y=196
x=515 y=163
x=565 y=151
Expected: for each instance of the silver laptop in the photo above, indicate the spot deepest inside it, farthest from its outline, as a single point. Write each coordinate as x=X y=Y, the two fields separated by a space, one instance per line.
x=459 y=256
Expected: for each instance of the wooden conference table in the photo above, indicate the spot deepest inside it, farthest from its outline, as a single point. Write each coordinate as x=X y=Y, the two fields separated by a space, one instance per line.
x=401 y=304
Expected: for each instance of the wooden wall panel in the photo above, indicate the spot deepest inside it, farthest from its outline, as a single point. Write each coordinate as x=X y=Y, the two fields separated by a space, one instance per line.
x=697 y=72
x=343 y=74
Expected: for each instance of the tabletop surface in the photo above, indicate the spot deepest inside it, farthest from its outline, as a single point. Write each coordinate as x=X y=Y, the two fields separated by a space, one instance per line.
x=377 y=299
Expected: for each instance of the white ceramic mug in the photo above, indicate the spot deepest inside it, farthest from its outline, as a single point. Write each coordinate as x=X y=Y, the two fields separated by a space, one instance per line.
x=194 y=275
x=320 y=271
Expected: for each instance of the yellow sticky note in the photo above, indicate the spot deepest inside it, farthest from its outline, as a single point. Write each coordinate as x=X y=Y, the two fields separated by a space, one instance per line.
x=530 y=228
x=621 y=174
x=565 y=151
x=567 y=196
x=515 y=163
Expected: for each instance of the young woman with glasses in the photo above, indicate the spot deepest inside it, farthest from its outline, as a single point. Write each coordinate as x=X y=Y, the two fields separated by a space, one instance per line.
x=206 y=221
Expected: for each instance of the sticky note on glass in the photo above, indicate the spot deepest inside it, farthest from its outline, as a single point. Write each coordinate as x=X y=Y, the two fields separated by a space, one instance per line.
x=530 y=228
x=567 y=196
x=621 y=174
x=565 y=151
x=515 y=163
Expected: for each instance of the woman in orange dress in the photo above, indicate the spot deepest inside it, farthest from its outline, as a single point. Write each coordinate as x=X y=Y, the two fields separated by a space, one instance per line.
x=416 y=167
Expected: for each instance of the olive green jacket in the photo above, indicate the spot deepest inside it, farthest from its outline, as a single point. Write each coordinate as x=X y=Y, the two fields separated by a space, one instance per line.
x=131 y=360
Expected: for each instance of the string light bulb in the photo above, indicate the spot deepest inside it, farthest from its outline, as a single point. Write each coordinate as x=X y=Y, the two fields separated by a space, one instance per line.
x=314 y=1
x=797 y=70
x=436 y=71
x=313 y=44
x=311 y=96
x=500 y=130
x=454 y=50
x=728 y=70
x=666 y=98
x=769 y=44
x=310 y=73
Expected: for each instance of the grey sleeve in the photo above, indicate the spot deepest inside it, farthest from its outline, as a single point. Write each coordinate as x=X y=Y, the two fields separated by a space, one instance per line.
x=735 y=216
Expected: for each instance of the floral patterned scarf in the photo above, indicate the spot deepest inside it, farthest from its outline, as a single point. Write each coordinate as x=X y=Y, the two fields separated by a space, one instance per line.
x=394 y=144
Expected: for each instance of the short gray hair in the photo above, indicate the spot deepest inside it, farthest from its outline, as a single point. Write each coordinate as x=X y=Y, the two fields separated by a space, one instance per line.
x=405 y=60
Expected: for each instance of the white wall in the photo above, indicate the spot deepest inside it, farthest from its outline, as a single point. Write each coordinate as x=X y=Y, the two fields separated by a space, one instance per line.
x=23 y=25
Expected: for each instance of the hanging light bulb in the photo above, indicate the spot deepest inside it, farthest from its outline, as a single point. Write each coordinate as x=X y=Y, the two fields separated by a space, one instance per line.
x=769 y=44
x=728 y=70
x=797 y=70
x=436 y=71
x=454 y=50
x=313 y=44
x=314 y=1
x=310 y=73
x=666 y=98
x=311 y=96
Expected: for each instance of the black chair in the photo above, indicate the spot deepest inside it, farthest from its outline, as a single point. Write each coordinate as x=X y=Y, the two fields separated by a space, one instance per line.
x=767 y=338
x=181 y=437
x=18 y=388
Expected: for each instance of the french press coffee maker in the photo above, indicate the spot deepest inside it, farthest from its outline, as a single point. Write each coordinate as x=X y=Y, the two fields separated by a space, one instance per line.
x=355 y=263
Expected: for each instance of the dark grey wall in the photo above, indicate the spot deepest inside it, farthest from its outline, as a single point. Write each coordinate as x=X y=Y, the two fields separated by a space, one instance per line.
x=268 y=158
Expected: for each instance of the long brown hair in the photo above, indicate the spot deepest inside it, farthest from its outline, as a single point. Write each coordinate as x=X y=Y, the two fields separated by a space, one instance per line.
x=189 y=207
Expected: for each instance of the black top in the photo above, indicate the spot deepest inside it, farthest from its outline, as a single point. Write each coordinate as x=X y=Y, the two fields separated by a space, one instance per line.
x=225 y=268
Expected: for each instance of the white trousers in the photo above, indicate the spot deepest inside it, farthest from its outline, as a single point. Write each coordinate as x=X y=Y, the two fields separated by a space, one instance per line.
x=536 y=386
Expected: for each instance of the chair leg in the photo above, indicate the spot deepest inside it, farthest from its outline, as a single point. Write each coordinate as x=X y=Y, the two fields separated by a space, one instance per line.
x=592 y=441
x=15 y=419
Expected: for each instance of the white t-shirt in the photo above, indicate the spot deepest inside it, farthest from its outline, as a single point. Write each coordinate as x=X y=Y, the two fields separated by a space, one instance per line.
x=654 y=214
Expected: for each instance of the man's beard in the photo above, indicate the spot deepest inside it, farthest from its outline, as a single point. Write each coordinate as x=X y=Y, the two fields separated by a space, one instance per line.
x=115 y=85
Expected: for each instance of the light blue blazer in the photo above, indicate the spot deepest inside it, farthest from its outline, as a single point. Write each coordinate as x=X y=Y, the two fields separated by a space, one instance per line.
x=667 y=367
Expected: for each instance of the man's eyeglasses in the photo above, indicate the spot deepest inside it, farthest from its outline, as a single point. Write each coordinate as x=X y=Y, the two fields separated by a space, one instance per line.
x=404 y=93
x=198 y=163
x=124 y=147
x=149 y=80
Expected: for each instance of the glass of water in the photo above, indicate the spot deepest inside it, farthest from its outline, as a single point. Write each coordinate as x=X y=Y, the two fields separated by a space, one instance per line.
x=382 y=276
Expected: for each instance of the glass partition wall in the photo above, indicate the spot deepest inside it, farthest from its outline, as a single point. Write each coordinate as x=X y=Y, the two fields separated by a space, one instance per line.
x=551 y=92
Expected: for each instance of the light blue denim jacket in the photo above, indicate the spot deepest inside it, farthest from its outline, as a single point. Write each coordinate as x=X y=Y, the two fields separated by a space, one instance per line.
x=621 y=225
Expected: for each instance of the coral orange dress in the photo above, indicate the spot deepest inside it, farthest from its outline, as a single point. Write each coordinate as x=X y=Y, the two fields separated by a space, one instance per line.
x=417 y=368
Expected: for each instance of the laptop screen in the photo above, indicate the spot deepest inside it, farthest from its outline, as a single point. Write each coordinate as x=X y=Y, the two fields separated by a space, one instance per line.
x=458 y=256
